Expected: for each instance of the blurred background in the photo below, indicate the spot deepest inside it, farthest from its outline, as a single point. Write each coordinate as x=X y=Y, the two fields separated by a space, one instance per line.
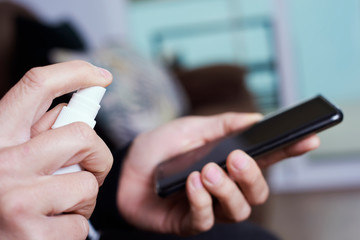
x=176 y=57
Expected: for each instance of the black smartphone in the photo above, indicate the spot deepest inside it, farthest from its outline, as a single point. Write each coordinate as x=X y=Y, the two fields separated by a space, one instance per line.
x=273 y=132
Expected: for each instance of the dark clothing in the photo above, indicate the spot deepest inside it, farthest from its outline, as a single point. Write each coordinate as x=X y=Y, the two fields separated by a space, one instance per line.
x=109 y=222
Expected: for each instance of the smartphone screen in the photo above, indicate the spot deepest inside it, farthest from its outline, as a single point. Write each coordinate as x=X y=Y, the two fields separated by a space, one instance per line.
x=275 y=131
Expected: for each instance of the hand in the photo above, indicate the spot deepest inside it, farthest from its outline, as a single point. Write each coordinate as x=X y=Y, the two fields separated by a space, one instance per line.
x=211 y=195
x=32 y=200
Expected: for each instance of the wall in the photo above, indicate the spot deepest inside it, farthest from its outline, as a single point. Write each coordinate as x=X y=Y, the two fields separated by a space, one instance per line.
x=323 y=40
x=326 y=36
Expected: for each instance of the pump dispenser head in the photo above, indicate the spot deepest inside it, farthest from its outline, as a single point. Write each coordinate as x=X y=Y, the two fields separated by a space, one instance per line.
x=83 y=107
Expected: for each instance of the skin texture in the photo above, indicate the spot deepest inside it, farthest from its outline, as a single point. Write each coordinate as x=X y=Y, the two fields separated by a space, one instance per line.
x=211 y=195
x=32 y=200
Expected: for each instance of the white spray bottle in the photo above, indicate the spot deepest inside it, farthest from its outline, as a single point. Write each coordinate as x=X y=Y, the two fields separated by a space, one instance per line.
x=83 y=107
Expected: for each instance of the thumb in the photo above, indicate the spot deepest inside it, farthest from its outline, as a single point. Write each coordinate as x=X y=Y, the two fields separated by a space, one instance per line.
x=30 y=98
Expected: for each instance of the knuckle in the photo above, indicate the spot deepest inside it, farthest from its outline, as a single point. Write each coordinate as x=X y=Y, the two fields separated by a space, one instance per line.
x=224 y=189
x=201 y=202
x=34 y=78
x=243 y=214
x=252 y=179
x=13 y=207
x=81 y=64
x=7 y=157
x=261 y=198
x=83 y=131
x=225 y=121
x=85 y=67
x=35 y=130
x=205 y=225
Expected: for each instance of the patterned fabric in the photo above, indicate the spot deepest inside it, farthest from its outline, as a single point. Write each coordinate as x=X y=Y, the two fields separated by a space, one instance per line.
x=143 y=95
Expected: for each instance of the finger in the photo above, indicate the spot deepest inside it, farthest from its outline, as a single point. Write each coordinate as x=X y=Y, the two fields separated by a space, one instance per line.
x=246 y=173
x=232 y=202
x=67 y=193
x=195 y=132
x=201 y=216
x=296 y=149
x=30 y=98
x=208 y=129
x=53 y=195
x=75 y=143
x=46 y=121
x=68 y=226
x=221 y=125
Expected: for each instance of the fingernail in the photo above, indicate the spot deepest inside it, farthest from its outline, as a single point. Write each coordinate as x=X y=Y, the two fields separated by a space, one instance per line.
x=105 y=73
x=239 y=161
x=196 y=181
x=213 y=175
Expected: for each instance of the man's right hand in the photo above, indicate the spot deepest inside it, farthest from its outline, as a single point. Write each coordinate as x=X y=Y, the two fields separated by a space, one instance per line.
x=32 y=199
